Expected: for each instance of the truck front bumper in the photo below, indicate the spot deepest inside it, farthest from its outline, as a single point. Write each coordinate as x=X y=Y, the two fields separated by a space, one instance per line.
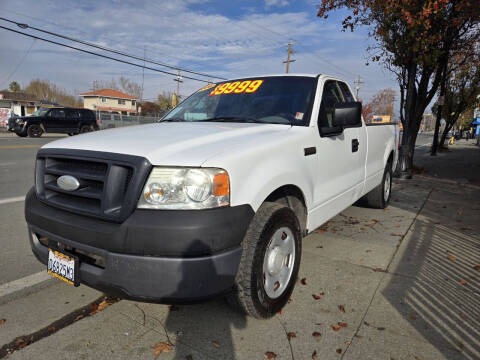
x=155 y=255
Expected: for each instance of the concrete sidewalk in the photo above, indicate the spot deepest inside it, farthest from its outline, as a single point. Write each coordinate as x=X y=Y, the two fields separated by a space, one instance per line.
x=395 y=284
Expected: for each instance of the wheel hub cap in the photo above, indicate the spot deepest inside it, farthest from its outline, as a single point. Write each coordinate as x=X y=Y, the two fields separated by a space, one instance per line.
x=278 y=262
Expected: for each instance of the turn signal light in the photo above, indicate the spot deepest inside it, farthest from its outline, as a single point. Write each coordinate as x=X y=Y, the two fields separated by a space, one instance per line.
x=221 y=185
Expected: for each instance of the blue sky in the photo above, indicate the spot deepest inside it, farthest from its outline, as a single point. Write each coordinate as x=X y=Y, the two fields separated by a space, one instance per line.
x=227 y=38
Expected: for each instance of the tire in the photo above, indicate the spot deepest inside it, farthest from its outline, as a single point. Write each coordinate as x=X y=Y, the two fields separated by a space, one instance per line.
x=379 y=197
x=85 y=129
x=264 y=262
x=22 y=134
x=34 y=131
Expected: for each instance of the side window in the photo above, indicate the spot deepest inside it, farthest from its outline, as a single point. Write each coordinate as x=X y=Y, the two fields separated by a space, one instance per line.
x=57 y=113
x=347 y=95
x=73 y=114
x=331 y=96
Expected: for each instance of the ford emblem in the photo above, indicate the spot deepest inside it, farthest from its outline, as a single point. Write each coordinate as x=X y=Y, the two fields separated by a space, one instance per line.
x=68 y=183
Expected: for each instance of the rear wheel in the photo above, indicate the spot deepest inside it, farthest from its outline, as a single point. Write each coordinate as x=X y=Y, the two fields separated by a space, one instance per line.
x=34 y=131
x=85 y=129
x=270 y=262
x=379 y=197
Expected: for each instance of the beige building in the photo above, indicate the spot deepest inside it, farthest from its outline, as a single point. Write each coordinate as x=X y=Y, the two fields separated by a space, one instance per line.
x=110 y=100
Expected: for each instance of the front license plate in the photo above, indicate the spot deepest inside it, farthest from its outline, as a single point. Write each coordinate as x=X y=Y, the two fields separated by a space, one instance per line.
x=63 y=266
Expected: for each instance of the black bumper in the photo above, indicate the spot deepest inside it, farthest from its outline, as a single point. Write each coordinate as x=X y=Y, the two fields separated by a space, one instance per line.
x=155 y=255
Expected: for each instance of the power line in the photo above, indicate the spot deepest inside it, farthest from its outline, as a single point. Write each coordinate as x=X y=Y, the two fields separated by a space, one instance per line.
x=20 y=63
x=101 y=55
x=25 y=26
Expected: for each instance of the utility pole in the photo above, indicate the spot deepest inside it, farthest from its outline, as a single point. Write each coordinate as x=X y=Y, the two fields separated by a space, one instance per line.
x=290 y=52
x=143 y=73
x=358 y=84
x=179 y=80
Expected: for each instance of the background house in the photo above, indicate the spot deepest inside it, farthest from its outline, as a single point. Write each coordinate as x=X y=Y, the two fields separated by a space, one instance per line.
x=110 y=100
x=16 y=103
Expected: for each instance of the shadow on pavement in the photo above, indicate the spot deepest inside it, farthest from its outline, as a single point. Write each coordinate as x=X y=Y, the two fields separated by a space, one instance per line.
x=438 y=290
x=212 y=320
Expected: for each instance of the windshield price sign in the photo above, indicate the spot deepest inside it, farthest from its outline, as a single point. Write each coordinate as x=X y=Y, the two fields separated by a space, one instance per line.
x=237 y=87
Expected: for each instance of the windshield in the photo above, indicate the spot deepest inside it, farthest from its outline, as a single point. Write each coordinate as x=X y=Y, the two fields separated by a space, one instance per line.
x=40 y=112
x=271 y=100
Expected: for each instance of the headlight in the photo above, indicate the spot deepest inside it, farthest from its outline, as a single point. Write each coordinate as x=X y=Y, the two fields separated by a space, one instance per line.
x=185 y=188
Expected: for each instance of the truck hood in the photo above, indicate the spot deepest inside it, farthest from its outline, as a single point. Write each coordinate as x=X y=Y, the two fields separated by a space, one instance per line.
x=174 y=144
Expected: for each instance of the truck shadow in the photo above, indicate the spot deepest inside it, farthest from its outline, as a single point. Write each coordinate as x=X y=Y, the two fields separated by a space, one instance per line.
x=203 y=330
x=435 y=289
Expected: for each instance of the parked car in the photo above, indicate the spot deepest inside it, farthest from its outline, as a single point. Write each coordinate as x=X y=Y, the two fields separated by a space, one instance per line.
x=214 y=199
x=69 y=121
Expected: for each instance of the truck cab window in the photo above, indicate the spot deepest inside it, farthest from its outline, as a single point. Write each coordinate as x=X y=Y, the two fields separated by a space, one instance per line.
x=347 y=95
x=331 y=96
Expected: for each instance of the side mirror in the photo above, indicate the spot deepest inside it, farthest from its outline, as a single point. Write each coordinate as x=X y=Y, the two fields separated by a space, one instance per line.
x=347 y=114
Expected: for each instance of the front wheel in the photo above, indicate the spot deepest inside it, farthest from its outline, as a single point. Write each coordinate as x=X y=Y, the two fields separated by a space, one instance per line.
x=34 y=131
x=85 y=129
x=23 y=134
x=270 y=262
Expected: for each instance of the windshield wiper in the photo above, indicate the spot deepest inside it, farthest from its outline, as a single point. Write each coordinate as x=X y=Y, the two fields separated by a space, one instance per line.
x=232 y=119
x=173 y=120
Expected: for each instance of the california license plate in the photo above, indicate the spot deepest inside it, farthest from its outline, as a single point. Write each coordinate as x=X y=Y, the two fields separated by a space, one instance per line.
x=63 y=266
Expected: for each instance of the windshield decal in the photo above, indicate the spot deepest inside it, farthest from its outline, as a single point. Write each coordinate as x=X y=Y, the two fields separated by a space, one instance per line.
x=206 y=87
x=237 y=87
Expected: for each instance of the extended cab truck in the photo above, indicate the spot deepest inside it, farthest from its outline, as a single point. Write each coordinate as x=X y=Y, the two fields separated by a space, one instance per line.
x=69 y=121
x=215 y=198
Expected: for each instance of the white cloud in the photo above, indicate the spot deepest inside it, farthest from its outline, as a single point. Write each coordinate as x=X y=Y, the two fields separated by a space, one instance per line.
x=278 y=3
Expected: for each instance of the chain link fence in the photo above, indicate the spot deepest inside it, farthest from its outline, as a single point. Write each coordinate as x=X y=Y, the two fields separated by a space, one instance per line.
x=108 y=120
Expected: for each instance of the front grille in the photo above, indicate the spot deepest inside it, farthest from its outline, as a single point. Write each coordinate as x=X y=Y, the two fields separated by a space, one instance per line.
x=109 y=183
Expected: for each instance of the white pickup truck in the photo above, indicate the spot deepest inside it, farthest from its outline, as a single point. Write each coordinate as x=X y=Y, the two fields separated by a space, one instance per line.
x=213 y=199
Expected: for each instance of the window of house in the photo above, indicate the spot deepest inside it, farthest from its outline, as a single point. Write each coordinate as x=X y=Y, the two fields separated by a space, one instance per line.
x=133 y=102
x=104 y=99
x=121 y=102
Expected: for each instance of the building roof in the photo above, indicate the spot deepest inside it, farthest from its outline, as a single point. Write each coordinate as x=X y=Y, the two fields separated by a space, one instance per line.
x=109 y=93
x=17 y=96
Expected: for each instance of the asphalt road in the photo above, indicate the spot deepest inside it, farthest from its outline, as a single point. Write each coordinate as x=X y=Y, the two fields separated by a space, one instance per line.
x=17 y=163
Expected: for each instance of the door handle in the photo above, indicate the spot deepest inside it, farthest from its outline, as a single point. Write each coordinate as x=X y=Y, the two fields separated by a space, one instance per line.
x=355 y=145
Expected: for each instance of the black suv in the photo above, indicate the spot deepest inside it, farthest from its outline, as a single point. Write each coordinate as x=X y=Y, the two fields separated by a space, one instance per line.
x=55 y=120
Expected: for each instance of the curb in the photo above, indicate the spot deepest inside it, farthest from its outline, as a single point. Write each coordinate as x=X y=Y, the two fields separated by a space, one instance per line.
x=24 y=286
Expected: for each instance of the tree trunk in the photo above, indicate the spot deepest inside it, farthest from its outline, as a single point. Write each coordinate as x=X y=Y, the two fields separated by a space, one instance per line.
x=439 y=109
x=444 y=136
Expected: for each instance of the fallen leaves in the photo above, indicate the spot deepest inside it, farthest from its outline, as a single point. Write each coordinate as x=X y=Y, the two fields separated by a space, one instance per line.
x=341 y=308
x=270 y=355
x=215 y=343
x=339 y=351
x=335 y=327
x=106 y=302
x=161 y=347
x=463 y=282
x=303 y=281
x=316 y=297
x=2 y=321
x=316 y=334
x=476 y=267
x=315 y=355
x=343 y=324
x=291 y=335
x=379 y=270
x=413 y=317
x=451 y=258
x=459 y=212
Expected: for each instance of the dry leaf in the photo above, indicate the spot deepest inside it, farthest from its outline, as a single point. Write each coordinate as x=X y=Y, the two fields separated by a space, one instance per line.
x=316 y=334
x=316 y=297
x=102 y=305
x=173 y=308
x=290 y=300
x=463 y=282
x=341 y=308
x=320 y=231
x=347 y=343
x=463 y=316
x=291 y=335
x=339 y=351
x=379 y=270
x=315 y=355
x=477 y=267
x=270 y=355
x=380 y=328
x=79 y=317
x=189 y=357
x=161 y=347
x=51 y=329
x=335 y=327
x=413 y=317
x=451 y=258
x=466 y=228
x=303 y=281
x=2 y=321
x=343 y=324
x=459 y=212
x=215 y=343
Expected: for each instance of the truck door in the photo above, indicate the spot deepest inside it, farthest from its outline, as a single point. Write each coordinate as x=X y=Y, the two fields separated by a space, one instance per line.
x=54 y=120
x=341 y=158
